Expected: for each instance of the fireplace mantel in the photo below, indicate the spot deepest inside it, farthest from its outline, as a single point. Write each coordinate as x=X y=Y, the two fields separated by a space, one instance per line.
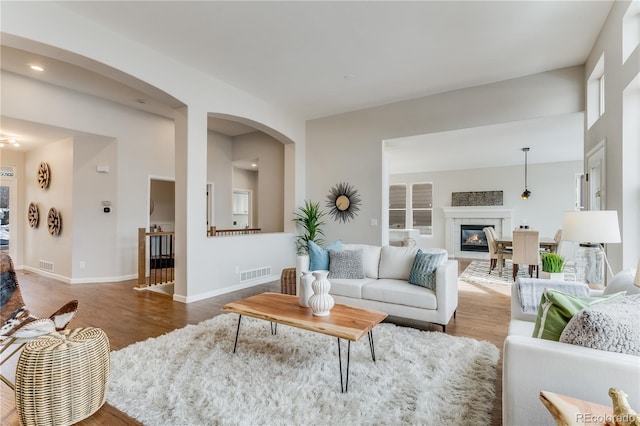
x=499 y=217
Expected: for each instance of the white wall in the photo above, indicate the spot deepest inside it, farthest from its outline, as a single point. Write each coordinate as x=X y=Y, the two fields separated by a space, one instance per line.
x=163 y=194
x=246 y=180
x=27 y=24
x=95 y=239
x=348 y=147
x=220 y=173
x=143 y=146
x=39 y=244
x=270 y=193
x=622 y=152
x=552 y=186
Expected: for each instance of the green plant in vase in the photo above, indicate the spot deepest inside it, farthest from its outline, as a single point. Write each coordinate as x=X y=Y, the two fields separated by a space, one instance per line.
x=308 y=219
x=552 y=264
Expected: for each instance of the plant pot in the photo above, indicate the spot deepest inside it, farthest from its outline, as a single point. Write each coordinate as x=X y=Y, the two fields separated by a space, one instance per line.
x=556 y=276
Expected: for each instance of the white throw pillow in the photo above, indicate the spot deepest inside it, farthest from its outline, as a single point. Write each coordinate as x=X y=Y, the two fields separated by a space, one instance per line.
x=370 y=259
x=396 y=262
x=622 y=281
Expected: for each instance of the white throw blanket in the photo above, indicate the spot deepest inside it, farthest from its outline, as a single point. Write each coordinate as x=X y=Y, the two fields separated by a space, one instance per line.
x=531 y=290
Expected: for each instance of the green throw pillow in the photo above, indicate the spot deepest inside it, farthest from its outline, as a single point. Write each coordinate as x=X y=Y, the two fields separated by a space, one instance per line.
x=423 y=270
x=557 y=308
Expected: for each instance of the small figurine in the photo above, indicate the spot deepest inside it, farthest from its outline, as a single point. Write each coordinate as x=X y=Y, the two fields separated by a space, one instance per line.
x=623 y=414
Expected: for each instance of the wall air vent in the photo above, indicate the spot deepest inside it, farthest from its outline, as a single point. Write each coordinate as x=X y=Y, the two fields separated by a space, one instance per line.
x=45 y=265
x=253 y=274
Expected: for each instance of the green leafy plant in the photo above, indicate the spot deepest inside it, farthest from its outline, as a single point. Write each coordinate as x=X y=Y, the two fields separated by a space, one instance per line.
x=552 y=262
x=308 y=219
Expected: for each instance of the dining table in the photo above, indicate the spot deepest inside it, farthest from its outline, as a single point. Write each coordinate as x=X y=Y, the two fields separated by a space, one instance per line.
x=504 y=242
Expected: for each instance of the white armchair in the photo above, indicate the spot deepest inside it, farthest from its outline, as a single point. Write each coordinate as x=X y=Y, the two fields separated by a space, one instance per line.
x=531 y=365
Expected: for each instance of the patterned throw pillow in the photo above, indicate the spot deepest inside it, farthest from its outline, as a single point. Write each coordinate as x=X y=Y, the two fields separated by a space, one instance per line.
x=557 y=308
x=346 y=264
x=609 y=326
x=319 y=257
x=423 y=271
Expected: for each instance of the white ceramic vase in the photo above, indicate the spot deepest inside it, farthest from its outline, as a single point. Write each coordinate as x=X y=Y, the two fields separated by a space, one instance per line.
x=321 y=302
x=306 y=291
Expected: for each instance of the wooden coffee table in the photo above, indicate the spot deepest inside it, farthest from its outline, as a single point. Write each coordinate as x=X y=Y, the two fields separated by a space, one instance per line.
x=344 y=322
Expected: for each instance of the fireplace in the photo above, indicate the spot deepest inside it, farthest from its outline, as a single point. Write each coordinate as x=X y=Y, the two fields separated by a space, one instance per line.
x=497 y=216
x=472 y=238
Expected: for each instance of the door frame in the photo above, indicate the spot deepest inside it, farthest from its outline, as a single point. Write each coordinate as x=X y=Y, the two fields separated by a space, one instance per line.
x=597 y=159
x=8 y=178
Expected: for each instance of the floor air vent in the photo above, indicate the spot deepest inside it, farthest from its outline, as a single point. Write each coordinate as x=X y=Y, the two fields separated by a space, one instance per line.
x=253 y=274
x=46 y=265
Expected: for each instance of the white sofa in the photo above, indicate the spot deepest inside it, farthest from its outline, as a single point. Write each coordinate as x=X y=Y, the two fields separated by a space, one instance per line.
x=531 y=365
x=386 y=287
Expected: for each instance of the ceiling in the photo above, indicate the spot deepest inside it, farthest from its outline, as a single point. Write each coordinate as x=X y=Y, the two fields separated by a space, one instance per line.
x=321 y=58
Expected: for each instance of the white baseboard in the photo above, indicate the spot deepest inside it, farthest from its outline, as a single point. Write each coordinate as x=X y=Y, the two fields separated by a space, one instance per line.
x=225 y=290
x=89 y=280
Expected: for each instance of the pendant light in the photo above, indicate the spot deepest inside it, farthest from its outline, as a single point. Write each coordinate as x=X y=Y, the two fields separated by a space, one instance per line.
x=526 y=193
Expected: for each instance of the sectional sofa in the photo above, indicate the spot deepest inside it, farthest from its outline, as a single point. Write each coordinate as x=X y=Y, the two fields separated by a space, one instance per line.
x=385 y=286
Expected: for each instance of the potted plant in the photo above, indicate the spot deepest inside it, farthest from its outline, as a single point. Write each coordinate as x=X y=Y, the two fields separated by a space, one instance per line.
x=552 y=264
x=309 y=219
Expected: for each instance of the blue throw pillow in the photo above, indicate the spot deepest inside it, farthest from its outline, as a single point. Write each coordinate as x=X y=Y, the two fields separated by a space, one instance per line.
x=423 y=271
x=319 y=257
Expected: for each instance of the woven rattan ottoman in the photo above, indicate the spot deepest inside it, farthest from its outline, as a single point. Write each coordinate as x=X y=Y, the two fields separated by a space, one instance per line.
x=62 y=377
x=288 y=281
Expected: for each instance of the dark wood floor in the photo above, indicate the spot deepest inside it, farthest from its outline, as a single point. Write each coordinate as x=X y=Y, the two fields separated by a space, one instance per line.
x=128 y=316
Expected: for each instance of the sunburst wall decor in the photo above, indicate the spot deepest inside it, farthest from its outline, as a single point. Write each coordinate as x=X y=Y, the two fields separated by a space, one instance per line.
x=343 y=202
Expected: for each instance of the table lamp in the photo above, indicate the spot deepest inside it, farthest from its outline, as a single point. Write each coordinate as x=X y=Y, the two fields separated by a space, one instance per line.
x=591 y=229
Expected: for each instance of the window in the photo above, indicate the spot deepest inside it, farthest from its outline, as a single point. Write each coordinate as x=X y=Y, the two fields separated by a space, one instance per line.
x=419 y=216
x=397 y=206
x=596 y=93
x=601 y=87
x=422 y=207
x=630 y=30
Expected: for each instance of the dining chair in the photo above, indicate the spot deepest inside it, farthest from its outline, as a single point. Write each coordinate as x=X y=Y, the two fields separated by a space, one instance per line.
x=558 y=237
x=526 y=251
x=495 y=255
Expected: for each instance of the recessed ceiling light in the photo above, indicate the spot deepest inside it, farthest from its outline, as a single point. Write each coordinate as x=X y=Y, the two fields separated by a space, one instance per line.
x=254 y=165
x=16 y=144
x=12 y=141
x=141 y=101
x=36 y=68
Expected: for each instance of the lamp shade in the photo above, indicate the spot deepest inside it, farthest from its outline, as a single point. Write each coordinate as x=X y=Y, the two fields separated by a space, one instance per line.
x=591 y=226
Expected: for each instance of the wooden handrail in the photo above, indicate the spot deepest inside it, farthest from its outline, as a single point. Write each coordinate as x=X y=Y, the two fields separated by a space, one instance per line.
x=215 y=232
x=161 y=257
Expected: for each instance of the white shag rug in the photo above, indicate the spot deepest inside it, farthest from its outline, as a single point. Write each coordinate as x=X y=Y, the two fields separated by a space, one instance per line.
x=191 y=377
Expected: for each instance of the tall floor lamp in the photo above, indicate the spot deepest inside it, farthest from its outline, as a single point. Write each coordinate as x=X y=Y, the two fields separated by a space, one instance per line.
x=592 y=229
